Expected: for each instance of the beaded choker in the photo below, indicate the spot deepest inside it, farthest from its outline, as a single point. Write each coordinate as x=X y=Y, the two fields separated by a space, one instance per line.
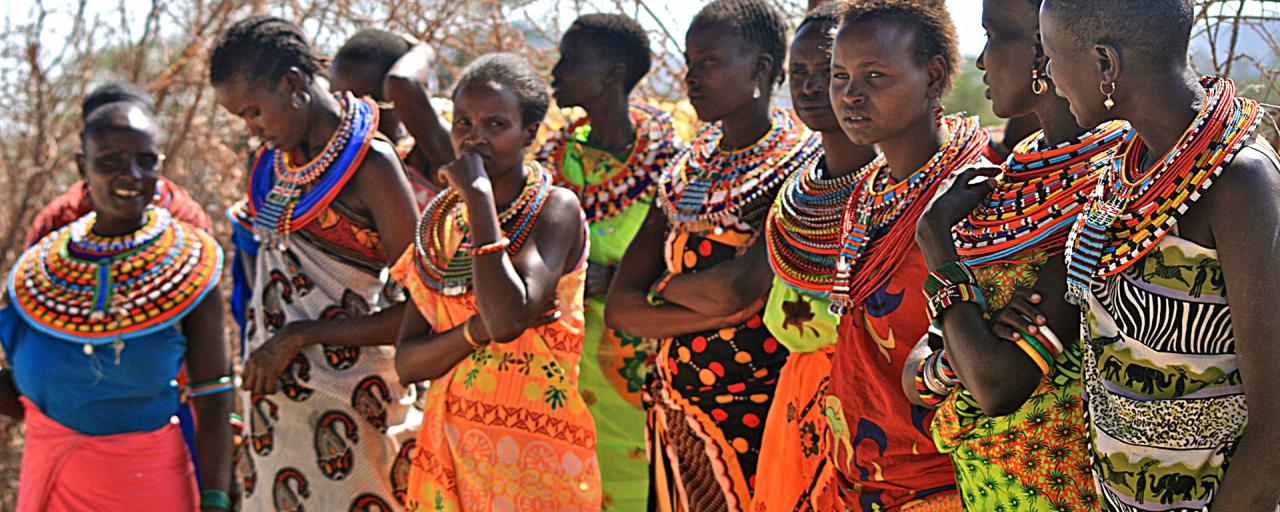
x=708 y=188
x=803 y=227
x=1039 y=197
x=78 y=286
x=283 y=198
x=442 y=243
x=1129 y=211
x=653 y=149
x=879 y=222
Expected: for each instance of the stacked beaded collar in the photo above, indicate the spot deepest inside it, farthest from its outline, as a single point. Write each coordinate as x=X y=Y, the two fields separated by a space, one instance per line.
x=1129 y=211
x=280 y=201
x=707 y=188
x=803 y=227
x=879 y=222
x=442 y=243
x=90 y=289
x=1037 y=201
x=653 y=149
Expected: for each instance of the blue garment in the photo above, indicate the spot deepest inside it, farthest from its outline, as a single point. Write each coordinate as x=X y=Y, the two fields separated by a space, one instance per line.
x=92 y=394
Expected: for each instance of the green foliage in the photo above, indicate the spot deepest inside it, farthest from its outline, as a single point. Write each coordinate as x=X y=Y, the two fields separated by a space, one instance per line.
x=969 y=95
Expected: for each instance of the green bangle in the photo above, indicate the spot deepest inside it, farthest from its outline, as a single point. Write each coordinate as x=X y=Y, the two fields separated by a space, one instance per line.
x=215 y=498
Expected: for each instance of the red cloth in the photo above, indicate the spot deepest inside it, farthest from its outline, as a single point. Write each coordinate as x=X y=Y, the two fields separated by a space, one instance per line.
x=75 y=203
x=65 y=471
x=880 y=444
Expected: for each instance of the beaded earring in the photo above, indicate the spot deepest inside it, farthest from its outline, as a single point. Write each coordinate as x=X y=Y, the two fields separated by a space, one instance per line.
x=938 y=112
x=1038 y=83
x=1109 y=103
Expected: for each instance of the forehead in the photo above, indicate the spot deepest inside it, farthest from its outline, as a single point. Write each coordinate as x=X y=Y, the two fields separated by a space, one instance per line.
x=118 y=138
x=486 y=98
x=1009 y=14
x=812 y=40
x=883 y=42
x=237 y=93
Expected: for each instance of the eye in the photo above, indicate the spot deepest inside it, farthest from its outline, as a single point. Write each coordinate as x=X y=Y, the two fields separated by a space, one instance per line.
x=110 y=163
x=839 y=75
x=148 y=161
x=875 y=74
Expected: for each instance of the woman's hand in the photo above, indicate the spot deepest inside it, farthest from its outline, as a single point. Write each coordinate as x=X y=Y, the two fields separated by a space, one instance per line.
x=933 y=232
x=467 y=175
x=263 y=367
x=1021 y=314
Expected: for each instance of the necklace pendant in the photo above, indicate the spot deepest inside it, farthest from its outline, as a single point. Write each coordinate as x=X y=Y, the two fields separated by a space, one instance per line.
x=88 y=350
x=118 y=345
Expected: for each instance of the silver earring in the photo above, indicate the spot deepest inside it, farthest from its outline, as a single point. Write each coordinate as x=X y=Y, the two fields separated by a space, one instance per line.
x=755 y=93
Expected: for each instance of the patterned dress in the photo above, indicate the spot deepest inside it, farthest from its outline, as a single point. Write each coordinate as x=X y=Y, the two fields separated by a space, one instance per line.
x=1037 y=457
x=616 y=191
x=711 y=391
x=506 y=428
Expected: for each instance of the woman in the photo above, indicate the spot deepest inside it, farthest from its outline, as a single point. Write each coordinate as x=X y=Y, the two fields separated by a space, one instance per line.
x=611 y=159
x=327 y=206
x=717 y=363
x=496 y=275
x=398 y=74
x=76 y=201
x=102 y=315
x=891 y=63
x=1010 y=398
x=1166 y=270
x=802 y=233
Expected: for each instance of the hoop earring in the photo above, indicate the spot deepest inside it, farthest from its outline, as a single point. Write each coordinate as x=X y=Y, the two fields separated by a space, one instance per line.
x=1109 y=103
x=1038 y=83
x=300 y=100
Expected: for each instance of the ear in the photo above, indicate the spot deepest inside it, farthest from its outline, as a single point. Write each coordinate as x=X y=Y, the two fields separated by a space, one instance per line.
x=937 y=70
x=81 y=164
x=1107 y=60
x=615 y=74
x=294 y=80
x=764 y=66
x=531 y=134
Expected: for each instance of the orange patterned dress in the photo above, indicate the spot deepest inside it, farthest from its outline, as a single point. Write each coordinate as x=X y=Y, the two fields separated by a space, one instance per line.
x=506 y=429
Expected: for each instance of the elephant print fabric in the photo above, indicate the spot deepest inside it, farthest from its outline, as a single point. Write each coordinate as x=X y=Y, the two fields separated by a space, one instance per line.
x=1160 y=346
x=327 y=440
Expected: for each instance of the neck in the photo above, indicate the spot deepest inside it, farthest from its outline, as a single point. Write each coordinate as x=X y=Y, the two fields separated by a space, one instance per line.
x=910 y=150
x=1162 y=112
x=746 y=126
x=843 y=156
x=611 y=126
x=108 y=226
x=323 y=119
x=508 y=185
x=1057 y=121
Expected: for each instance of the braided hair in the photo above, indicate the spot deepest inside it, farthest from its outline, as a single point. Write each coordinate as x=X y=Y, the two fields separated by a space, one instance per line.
x=757 y=21
x=263 y=49
x=510 y=71
x=826 y=13
x=935 y=32
x=374 y=46
x=616 y=38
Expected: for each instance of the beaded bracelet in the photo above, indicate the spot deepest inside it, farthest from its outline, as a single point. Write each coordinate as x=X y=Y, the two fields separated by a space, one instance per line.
x=499 y=246
x=1036 y=351
x=215 y=498
x=655 y=293
x=948 y=275
x=466 y=334
x=951 y=295
x=213 y=387
x=934 y=378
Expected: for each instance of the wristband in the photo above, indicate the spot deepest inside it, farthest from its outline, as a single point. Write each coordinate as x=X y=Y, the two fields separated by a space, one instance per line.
x=499 y=246
x=466 y=334
x=215 y=498
x=219 y=385
x=655 y=293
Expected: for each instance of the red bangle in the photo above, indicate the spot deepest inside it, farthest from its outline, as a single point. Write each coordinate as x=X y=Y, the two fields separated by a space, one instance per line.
x=500 y=245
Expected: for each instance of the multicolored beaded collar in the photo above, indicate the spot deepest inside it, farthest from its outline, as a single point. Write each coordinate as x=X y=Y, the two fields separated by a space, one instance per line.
x=707 y=188
x=1038 y=198
x=653 y=149
x=803 y=227
x=81 y=287
x=879 y=222
x=1129 y=211
x=279 y=200
x=442 y=242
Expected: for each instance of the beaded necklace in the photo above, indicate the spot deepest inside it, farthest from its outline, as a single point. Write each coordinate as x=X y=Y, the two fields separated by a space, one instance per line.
x=86 y=288
x=283 y=197
x=653 y=149
x=1039 y=197
x=803 y=227
x=1130 y=211
x=442 y=242
x=880 y=219
x=706 y=188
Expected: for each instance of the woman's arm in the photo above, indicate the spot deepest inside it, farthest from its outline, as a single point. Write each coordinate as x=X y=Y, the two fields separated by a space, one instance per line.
x=627 y=307
x=380 y=188
x=407 y=85
x=425 y=355
x=727 y=287
x=209 y=359
x=1248 y=248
